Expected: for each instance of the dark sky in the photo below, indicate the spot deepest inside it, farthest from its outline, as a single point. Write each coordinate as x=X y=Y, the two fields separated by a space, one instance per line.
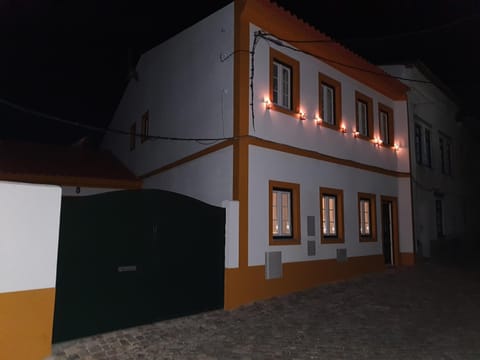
x=69 y=59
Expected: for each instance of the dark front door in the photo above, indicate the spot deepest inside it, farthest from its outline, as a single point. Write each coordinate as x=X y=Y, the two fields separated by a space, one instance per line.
x=387 y=233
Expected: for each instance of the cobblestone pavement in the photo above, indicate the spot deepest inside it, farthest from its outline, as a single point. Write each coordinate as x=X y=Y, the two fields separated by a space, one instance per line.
x=423 y=312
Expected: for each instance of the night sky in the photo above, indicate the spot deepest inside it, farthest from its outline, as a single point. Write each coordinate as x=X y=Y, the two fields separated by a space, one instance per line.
x=70 y=60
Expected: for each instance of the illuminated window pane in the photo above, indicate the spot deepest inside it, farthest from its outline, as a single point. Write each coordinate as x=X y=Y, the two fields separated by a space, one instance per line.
x=329 y=215
x=365 y=217
x=281 y=213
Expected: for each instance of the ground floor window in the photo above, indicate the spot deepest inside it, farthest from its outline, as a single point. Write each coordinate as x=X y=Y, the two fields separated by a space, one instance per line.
x=331 y=215
x=284 y=213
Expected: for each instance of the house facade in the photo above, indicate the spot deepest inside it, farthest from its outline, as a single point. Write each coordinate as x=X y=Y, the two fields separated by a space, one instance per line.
x=304 y=142
x=440 y=143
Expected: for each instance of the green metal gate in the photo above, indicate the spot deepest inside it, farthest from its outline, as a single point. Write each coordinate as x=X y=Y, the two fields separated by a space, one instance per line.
x=134 y=257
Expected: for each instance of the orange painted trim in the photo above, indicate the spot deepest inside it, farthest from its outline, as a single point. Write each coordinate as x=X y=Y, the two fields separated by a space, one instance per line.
x=318 y=156
x=407 y=259
x=273 y=19
x=72 y=181
x=248 y=285
x=241 y=124
x=188 y=158
x=26 y=324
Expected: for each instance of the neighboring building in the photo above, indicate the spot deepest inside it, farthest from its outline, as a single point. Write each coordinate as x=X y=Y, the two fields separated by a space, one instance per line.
x=438 y=150
x=305 y=137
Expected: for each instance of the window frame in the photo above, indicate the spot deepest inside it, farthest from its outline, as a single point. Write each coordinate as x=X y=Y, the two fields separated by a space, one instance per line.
x=294 y=190
x=445 y=150
x=368 y=101
x=278 y=57
x=372 y=237
x=339 y=215
x=145 y=126
x=382 y=108
x=336 y=86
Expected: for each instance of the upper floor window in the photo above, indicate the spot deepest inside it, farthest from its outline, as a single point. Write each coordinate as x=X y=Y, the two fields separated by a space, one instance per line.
x=145 y=126
x=439 y=217
x=284 y=213
x=445 y=155
x=331 y=214
x=330 y=101
x=364 y=118
x=367 y=217
x=428 y=148
x=423 y=148
x=284 y=82
x=385 y=118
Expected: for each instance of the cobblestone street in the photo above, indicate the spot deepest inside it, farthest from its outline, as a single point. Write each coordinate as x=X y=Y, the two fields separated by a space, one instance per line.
x=424 y=312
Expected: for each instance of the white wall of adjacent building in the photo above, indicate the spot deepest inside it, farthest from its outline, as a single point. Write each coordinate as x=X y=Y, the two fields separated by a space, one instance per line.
x=186 y=85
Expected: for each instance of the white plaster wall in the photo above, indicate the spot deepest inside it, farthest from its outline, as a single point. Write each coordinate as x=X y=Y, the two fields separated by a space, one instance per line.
x=208 y=178
x=405 y=220
x=283 y=128
x=232 y=243
x=188 y=91
x=29 y=228
x=312 y=174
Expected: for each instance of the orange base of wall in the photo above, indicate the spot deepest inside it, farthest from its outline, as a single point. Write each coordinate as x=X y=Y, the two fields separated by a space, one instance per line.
x=26 y=324
x=407 y=259
x=246 y=285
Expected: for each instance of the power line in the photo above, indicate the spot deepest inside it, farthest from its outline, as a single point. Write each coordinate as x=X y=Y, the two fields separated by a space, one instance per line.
x=104 y=130
x=281 y=42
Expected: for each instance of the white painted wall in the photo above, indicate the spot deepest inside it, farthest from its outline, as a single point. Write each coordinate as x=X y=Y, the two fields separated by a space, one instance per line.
x=29 y=228
x=188 y=91
x=286 y=129
x=312 y=174
x=208 y=178
x=232 y=243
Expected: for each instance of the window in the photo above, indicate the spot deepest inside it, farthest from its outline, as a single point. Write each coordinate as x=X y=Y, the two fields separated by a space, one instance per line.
x=385 y=118
x=284 y=82
x=367 y=217
x=364 y=118
x=145 y=126
x=418 y=144
x=428 y=151
x=330 y=101
x=331 y=214
x=133 y=136
x=445 y=155
x=439 y=217
x=423 y=148
x=284 y=213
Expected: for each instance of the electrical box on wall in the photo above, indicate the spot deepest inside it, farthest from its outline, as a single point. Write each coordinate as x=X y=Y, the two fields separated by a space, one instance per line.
x=273 y=265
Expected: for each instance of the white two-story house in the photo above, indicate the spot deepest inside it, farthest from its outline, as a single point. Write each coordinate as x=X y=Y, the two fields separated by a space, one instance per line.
x=303 y=141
